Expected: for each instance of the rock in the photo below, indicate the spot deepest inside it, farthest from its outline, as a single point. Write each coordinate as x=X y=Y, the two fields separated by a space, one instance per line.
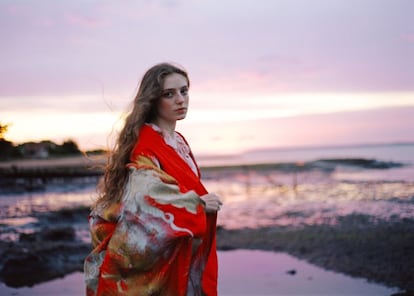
x=59 y=234
x=28 y=237
x=26 y=270
x=406 y=293
x=29 y=264
x=291 y=272
x=49 y=234
x=50 y=253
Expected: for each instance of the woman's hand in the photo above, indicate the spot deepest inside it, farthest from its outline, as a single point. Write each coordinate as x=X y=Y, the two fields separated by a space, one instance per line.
x=213 y=202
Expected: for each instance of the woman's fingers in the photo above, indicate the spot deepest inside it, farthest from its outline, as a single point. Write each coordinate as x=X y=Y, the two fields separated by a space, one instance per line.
x=213 y=202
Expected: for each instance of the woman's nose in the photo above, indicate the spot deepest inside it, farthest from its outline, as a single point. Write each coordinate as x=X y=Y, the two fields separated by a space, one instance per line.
x=179 y=98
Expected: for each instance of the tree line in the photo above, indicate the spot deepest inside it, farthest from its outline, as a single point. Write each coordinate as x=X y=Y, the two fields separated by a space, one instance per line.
x=43 y=149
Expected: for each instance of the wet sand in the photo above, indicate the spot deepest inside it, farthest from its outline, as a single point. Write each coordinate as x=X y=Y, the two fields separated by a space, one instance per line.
x=245 y=272
x=68 y=161
x=362 y=229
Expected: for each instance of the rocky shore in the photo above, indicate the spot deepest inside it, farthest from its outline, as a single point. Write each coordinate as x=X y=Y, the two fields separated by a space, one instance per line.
x=379 y=251
x=26 y=175
x=35 y=174
x=53 y=251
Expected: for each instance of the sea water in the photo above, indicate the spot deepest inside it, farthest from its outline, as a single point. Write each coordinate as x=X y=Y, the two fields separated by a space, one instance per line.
x=262 y=197
x=255 y=197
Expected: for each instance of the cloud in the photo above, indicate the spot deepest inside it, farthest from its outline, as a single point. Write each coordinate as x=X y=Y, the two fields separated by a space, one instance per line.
x=81 y=104
x=54 y=48
x=408 y=37
x=85 y=21
x=382 y=125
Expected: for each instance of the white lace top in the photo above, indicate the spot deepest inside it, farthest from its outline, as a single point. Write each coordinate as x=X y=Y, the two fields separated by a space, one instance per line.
x=178 y=144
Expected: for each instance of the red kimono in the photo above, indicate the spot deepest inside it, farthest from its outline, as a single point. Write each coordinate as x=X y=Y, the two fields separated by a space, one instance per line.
x=159 y=239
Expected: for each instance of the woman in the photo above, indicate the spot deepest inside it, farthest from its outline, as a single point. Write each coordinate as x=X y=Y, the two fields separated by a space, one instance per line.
x=153 y=225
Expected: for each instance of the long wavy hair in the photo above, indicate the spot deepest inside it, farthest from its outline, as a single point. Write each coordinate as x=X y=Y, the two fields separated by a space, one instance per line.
x=144 y=110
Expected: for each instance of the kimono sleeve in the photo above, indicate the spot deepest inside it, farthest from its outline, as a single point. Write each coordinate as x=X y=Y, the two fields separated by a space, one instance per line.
x=158 y=229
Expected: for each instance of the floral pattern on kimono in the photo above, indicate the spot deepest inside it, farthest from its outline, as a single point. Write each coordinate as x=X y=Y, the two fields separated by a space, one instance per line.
x=159 y=239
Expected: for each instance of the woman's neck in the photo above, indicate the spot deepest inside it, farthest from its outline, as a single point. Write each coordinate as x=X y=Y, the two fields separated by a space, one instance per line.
x=167 y=127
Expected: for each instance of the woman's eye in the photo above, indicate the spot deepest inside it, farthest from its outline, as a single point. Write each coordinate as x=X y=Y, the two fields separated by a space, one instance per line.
x=184 y=91
x=168 y=94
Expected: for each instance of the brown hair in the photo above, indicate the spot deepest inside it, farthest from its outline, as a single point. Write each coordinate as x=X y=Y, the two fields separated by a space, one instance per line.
x=144 y=110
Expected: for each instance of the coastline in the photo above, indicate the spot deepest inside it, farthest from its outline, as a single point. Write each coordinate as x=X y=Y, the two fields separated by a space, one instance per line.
x=95 y=164
x=359 y=245
x=67 y=161
x=35 y=174
x=381 y=252
x=244 y=272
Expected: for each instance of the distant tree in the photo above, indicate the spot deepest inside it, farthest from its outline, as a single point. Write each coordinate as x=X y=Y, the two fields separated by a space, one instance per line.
x=69 y=147
x=6 y=147
x=96 y=152
x=3 y=130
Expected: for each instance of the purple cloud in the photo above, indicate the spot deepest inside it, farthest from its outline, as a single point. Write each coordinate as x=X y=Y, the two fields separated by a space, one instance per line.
x=51 y=47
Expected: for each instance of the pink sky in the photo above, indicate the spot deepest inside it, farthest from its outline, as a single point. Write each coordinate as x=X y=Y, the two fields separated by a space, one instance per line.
x=69 y=68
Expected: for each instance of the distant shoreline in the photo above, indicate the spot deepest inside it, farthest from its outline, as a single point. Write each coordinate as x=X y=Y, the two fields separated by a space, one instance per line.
x=35 y=174
x=317 y=147
x=99 y=161
x=68 y=161
x=356 y=244
x=380 y=251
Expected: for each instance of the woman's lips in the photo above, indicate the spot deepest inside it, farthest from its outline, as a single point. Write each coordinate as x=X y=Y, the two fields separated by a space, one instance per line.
x=181 y=110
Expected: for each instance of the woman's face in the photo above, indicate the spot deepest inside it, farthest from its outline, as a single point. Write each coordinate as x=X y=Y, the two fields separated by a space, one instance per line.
x=174 y=99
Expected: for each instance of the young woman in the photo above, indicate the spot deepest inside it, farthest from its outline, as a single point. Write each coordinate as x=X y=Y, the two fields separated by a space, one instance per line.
x=153 y=225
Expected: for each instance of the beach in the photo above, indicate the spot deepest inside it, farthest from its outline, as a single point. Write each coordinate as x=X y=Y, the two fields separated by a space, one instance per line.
x=351 y=217
x=244 y=272
x=340 y=260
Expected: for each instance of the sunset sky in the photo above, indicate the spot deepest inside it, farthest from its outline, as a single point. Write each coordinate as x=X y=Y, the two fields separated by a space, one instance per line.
x=263 y=73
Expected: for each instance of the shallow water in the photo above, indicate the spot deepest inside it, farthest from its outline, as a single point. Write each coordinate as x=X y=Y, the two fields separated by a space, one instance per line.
x=253 y=200
x=245 y=272
x=255 y=197
x=313 y=200
x=387 y=152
